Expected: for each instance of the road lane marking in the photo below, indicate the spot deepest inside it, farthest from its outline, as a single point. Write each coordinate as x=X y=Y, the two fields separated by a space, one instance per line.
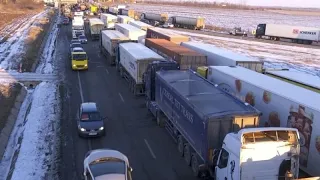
x=121 y=97
x=80 y=88
x=151 y=152
x=107 y=71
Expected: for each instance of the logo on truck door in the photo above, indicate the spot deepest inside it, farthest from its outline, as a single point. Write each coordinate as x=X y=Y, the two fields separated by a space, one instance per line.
x=295 y=31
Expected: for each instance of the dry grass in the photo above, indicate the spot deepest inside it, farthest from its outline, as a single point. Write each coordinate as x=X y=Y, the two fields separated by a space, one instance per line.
x=34 y=41
x=8 y=94
x=296 y=12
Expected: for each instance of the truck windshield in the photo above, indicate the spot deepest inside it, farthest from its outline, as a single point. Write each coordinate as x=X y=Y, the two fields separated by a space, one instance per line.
x=270 y=136
x=79 y=57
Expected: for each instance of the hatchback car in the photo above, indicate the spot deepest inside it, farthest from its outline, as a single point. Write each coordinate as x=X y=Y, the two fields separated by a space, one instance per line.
x=83 y=39
x=76 y=40
x=74 y=45
x=106 y=164
x=89 y=121
x=77 y=49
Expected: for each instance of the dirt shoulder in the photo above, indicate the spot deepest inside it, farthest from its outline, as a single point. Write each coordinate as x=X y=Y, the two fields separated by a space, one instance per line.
x=8 y=94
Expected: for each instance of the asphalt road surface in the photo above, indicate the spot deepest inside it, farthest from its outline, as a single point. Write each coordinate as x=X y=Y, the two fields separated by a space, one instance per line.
x=130 y=129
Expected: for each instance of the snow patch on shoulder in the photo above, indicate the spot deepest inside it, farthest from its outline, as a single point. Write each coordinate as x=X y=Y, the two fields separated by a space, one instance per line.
x=39 y=134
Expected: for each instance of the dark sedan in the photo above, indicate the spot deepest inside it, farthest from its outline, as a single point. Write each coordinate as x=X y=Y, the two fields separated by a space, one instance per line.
x=83 y=39
x=90 y=123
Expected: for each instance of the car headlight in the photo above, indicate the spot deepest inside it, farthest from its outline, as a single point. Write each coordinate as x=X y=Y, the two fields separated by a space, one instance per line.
x=101 y=128
x=82 y=129
x=86 y=65
x=74 y=65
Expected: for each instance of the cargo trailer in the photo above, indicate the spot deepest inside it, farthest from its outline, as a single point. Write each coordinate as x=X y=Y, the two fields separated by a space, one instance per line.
x=130 y=31
x=127 y=12
x=140 y=25
x=223 y=57
x=154 y=19
x=197 y=114
x=124 y=19
x=301 y=79
x=109 y=20
x=297 y=34
x=133 y=59
x=196 y=23
x=160 y=33
x=95 y=27
x=282 y=105
x=186 y=58
x=109 y=40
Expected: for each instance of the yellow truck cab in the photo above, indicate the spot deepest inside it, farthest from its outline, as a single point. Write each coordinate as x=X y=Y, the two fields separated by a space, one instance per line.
x=79 y=60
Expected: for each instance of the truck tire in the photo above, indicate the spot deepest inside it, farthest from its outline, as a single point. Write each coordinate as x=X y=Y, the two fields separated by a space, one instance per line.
x=180 y=145
x=160 y=121
x=195 y=165
x=187 y=154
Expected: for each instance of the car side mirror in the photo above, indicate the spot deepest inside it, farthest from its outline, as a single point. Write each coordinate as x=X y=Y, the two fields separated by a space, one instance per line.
x=130 y=169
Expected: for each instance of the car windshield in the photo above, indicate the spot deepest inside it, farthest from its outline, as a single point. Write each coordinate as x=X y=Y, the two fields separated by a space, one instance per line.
x=94 y=116
x=79 y=57
x=82 y=37
x=107 y=166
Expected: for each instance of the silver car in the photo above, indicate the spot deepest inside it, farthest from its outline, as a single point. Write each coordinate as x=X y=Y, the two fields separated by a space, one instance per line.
x=89 y=121
x=106 y=164
x=83 y=39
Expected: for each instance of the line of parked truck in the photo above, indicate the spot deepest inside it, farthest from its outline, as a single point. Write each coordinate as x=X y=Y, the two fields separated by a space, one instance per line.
x=204 y=95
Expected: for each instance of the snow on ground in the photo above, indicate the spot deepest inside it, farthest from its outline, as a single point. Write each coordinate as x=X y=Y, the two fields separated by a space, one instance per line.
x=46 y=58
x=31 y=145
x=274 y=56
x=11 y=50
x=227 y=18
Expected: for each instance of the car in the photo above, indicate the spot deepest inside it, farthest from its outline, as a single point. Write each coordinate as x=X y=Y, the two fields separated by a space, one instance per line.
x=83 y=39
x=66 y=21
x=75 y=40
x=167 y=25
x=90 y=123
x=106 y=164
x=73 y=45
x=78 y=49
x=238 y=32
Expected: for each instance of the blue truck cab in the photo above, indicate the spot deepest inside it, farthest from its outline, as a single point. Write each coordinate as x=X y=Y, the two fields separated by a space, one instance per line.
x=197 y=114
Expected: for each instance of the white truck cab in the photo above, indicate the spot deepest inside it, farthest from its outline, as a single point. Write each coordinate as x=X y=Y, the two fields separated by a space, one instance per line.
x=259 y=154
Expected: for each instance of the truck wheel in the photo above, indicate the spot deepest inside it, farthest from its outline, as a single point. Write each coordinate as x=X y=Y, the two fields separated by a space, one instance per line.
x=195 y=165
x=187 y=154
x=180 y=145
x=160 y=121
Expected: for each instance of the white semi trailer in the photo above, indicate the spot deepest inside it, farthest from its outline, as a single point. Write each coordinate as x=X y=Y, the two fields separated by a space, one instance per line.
x=131 y=32
x=297 y=34
x=282 y=105
x=109 y=20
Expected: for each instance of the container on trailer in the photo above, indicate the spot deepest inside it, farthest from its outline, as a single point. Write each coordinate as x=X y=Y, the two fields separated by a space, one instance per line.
x=201 y=112
x=124 y=19
x=294 y=32
x=196 y=22
x=127 y=12
x=135 y=57
x=222 y=57
x=160 y=33
x=113 y=10
x=109 y=40
x=130 y=31
x=96 y=25
x=140 y=25
x=108 y=19
x=186 y=58
x=282 y=105
x=155 y=17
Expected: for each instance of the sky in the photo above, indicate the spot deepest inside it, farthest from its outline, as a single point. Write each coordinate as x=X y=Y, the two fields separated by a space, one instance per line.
x=285 y=3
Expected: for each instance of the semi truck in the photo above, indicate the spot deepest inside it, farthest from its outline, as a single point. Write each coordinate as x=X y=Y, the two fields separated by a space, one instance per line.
x=124 y=19
x=213 y=129
x=282 y=105
x=154 y=19
x=77 y=27
x=223 y=57
x=131 y=32
x=297 y=78
x=140 y=25
x=127 y=12
x=196 y=23
x=133 y=59
x=95 y=27
x=186 y=58
x=113 y=10
x=109 y=40
x=109 y=20
x=159 y=33
x=297 y=34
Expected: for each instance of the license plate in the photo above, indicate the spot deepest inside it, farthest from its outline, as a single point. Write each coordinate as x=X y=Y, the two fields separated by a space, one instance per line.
x=92 y=134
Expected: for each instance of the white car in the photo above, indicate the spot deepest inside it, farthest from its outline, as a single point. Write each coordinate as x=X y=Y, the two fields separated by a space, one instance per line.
x=106 y=164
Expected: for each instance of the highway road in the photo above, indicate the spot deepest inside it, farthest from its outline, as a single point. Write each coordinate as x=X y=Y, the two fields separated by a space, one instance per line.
x=130 y=128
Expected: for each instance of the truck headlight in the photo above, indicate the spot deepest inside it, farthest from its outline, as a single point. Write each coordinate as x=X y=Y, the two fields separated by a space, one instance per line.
x=82 y=129
x=102 y=128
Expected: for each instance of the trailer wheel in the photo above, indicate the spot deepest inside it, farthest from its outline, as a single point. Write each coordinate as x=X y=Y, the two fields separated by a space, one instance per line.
x=160 y=121
x=195 y=165
x=187 y=154
x=180 y=145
